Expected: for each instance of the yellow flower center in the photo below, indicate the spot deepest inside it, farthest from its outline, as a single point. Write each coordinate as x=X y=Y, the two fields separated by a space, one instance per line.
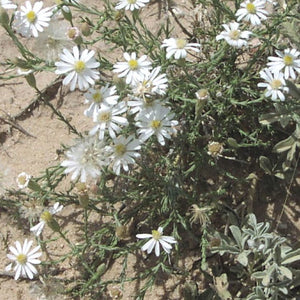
x=156 y=235
x=181 y=43
x=251 y=8
x=133 y=64
x=202 y=94
x=104 y=116
x=22 y=180
x=234 y=34
x=21 y=259
x=288 y=60
x=79 y=66
x=97 y=97
x=276 y=84
x=72 y=33
x=31 y=16
x=131 y=1
x=58 y=2
x=215 y=149
x=46 y=216
x=120 y=149
x=155 y=124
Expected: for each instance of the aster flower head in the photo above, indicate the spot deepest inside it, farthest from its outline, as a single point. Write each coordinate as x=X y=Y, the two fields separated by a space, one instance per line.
x=134 y=69
x=287 y=61
x=131 y=4
x=157 y=121
x=24 y=259
x=46 y=218
x=123 y=152
x=179 y=47
x=31 y=20
x=252 y=11
x=215 y=149
x=233 y=36
x=157 y=239
x=152 y=83
x=275 y=84
x=109 y=117
x=7 y=4
x=97 y=96
x=23 y=180
x=86 y=159
x=80 y=67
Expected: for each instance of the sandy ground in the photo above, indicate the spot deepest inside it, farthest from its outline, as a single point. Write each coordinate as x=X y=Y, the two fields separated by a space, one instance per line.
x=30 y=144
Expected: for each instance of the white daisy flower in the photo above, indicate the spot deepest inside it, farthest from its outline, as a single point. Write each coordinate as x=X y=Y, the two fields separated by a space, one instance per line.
x=275 y=84
x=79 y=67
x=124 y=151
x=252 y=11
x=86 y=159
x=133 y=69
x=31 y=20
x=108 y=117
x=24 y=259
x=46 y=217
x=23 y=180
x=131 y=4
x=288 y=60
x=233 y=36
x=179 y=47
x=152 y=83
x=7 y=4
x=157 y=121
x=156 y=240
x=95 y=97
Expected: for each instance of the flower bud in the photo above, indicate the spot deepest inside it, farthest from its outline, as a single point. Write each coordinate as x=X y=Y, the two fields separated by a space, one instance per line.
x=66 y=13
x=85 y=29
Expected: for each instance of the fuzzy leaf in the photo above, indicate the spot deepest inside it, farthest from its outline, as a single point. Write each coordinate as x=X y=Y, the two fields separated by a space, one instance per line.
x=279 y=175
x=265 y=164
x=284 y=145
x=286 y=272
x=291 y=257
x=243 y=258
x=236 y=232
x=232 y=142
x=258 y=275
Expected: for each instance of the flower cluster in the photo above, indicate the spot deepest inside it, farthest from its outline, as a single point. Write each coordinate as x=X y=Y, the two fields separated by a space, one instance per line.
x=106 y=146
x=23 y=258
x=253 y=12
x=280 y=68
